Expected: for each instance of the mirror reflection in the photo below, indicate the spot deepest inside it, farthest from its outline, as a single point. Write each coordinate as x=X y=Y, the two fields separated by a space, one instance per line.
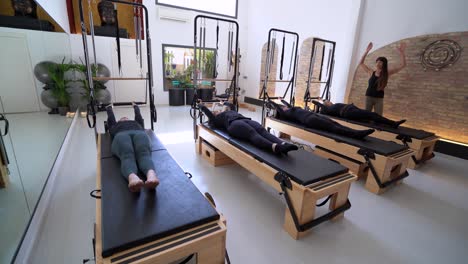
x=38 y=91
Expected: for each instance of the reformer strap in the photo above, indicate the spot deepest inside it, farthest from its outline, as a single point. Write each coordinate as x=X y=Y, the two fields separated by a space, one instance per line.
x=368 y=155
x=215 y=75
x=273 y=47
x=93 y=194
x=117 y=38
x=203 y=63
x=292 y=57
x=199 y=53
x=285 y=184
x=91 y=29
x=282 y=57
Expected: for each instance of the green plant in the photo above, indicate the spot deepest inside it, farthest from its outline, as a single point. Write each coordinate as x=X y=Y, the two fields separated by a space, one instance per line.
x=59 y=83
x=97 y=85
x=209 y=63
x=168 y=56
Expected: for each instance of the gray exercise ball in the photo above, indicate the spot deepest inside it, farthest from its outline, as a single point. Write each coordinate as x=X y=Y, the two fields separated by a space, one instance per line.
x=104 y=96
x=41 y=71
x=102 y=71
x=48 y=100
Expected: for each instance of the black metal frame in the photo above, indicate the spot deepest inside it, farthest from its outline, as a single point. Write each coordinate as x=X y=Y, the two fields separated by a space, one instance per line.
x=92 y=104
x=285 y=183
x=330 y=66
x=292 y=82
x=202 y=11
x=195 y=112
x=178 y=46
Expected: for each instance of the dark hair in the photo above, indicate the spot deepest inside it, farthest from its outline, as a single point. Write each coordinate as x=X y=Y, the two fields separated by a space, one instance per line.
x=383 y=78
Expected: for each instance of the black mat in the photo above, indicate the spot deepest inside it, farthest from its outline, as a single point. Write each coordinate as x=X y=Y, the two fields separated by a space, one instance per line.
x=132 y=219
x=401 y=130
x=376 y=145
x=106 y=140
x=301 y=166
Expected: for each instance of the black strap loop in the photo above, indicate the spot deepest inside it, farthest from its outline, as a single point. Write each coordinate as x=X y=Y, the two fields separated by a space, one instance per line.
x=92 y=194
x=7 y=124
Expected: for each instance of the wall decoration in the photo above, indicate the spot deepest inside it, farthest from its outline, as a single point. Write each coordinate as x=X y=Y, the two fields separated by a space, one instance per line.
x=440 y=54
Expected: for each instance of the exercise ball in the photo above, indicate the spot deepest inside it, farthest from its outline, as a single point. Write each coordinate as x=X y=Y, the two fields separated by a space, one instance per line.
x=48 y=100
x=103 y=96
x=41 y=71
x=102 y=71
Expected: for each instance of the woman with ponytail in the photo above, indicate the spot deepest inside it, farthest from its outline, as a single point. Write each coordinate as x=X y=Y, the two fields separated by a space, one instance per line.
x=379 y=78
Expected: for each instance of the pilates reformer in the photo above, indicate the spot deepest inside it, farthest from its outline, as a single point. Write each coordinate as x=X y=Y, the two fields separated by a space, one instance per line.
x=303 y=178
x=161 y=226
x=199 y=48
x=383 y=162
x=420 y=141
x=4 y=161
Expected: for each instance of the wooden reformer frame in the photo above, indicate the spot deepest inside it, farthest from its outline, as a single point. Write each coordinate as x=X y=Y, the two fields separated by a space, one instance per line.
x=381 y=171
x=423 y=148
x=301 y=200
x=207 y=241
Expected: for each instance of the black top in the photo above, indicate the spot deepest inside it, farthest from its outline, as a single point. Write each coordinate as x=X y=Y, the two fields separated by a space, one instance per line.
x=301 y=166
x=295 y=114
x=223 y=119
x=116 y=127
x=132 y=219
x=372 y=87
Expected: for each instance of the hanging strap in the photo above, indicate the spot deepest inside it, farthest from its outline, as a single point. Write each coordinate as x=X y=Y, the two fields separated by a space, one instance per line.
x=117 y=38
x=7 y=124
x=217 y=47
x=140 y=37
x=91 y=29
x=273 y=47
x=201 y=44
x=282 y=57
x=204 y=45
x=292 y=57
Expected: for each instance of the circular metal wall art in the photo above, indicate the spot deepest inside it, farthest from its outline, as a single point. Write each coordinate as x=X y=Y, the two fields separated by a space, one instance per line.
x=440 y=54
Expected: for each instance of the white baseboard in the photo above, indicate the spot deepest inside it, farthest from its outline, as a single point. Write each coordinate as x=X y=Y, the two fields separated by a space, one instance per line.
x=36 y=223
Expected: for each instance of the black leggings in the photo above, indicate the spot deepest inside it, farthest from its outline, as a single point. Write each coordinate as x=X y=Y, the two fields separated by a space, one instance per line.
x=364 y=115
x=326 y=124
x=253 y=132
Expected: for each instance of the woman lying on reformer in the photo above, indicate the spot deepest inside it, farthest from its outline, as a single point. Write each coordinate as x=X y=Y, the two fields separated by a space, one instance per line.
x=313 y=120
x=352 y=112
x=132 y=146
x=241 y=127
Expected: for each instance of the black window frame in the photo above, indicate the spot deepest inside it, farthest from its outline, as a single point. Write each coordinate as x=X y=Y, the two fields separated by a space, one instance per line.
x=202 y=11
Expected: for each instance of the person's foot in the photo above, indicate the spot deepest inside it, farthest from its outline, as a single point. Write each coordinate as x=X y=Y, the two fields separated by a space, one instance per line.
x=285 y=147
x=151 y=180
x=134 y=183
x=363 y=133
x=397 y=124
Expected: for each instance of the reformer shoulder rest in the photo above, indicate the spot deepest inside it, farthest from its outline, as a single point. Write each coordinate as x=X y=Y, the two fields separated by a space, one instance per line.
x=132 y=219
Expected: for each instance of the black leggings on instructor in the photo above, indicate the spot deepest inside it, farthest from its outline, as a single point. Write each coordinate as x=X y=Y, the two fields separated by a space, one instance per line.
x=241 y=127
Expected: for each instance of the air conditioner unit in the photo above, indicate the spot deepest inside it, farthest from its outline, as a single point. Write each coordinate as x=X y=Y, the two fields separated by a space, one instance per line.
x=174 y=14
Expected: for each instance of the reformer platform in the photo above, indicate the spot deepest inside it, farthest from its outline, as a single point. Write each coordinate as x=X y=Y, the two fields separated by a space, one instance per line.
x=383 y=162
x=302 y=177
x=160 y=226
x=422 y=142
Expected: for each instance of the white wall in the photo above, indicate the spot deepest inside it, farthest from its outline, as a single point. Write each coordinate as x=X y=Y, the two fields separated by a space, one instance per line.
x=57 y=9
x=42 y=46
x=334 y=20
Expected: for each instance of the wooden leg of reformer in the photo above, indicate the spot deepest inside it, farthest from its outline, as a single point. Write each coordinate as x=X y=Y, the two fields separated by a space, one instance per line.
x=198 y=145
x=214 y=252
x=304 y=207
x=339 y=199
x=4 y=180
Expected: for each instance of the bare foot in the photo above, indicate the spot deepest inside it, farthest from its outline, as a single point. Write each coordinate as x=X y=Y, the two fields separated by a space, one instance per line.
x=151 y=180
x=134 y=183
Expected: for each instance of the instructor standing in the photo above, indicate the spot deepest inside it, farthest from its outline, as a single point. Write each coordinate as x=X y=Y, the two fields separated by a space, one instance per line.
x=379 y=78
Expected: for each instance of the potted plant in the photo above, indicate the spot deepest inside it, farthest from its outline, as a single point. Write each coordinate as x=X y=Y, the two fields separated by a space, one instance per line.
x=58 y=85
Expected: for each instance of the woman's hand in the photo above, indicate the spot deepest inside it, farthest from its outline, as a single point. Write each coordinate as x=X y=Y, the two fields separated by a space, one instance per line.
x=369 y=47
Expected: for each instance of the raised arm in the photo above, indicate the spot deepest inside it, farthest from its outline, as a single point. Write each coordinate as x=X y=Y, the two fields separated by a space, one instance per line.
x=110 y=117
x=401 y=50
x=207 y=112
x=361 y=62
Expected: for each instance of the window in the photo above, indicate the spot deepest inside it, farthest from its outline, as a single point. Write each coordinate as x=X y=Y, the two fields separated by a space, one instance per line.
x=223 y=8
x=178 y=65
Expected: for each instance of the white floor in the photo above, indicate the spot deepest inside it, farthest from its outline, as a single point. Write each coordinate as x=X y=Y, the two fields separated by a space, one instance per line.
x=424 y=220
x=32 y=144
